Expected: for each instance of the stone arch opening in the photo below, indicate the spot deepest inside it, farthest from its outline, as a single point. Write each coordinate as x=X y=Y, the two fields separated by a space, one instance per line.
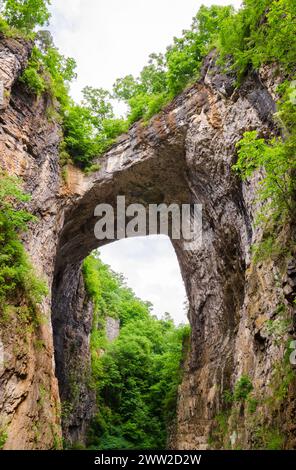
x=142 y=174
x=184 y=156
x=150 y=268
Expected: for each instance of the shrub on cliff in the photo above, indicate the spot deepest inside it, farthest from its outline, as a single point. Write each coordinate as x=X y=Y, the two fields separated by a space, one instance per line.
x=261 y=31
x=277 y=189
x=17 y=278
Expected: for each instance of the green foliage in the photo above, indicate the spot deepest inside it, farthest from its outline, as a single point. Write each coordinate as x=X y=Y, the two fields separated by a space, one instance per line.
x=109 y=294
x=17 y=276
x=145 y=106
x=137 y=377
x=3 y=436
x=275 y=158
x=277 y=190
x=256 y=34
x=242 y=389
x=252 y=405
x=184 y=57
x=269 y=439
x=268 y=248
x=274 y=440
x=26 y=14
x=219 y=430
x=166 y=75
x=97 y=101
x=283 y=376
x=4 y=27
x=137 y=386
x=228 y=396
x=31 y=76
x=279 y=326
x=32 y=79
x=262 y=31
x=78 y=135
x=90 y=129
x=111 y=299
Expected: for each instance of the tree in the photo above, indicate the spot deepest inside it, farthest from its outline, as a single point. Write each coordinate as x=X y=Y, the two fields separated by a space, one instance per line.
x=262 y=31
x=184 y=57
x=26 y=14
x=97 y=100
x=79 y=135
x=137 y=377
x=125 y=88
x=153 y=78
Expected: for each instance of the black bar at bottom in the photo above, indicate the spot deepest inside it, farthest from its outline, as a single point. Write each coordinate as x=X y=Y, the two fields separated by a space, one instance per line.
x=132 y=459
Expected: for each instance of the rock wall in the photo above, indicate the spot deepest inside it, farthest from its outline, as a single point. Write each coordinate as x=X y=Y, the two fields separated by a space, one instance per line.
x=72 y=322
x=112 y=328
x=29 y=397
x=184 y=155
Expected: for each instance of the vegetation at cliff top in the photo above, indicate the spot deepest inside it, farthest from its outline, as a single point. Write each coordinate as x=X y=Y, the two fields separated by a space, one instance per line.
x=137 y=376
x=25 y=15
x=277 y=189
x=261 y=31
x=18 y=282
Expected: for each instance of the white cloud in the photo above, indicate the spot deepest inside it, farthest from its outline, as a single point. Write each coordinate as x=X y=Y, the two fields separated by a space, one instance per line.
x=112 y=38
x=151 y=268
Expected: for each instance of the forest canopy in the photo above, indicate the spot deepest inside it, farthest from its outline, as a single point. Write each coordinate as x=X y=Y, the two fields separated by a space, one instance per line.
x=136 y=377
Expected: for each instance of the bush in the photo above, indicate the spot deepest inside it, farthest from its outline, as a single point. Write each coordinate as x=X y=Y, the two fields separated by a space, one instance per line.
x=269 y=439
x=242 y=389
x=78 y=135
x=278 y=185
x=3 y=437
x=32 y=79
x=4 y=27
x=17 y=277
x=277 y=188
x=90 y=129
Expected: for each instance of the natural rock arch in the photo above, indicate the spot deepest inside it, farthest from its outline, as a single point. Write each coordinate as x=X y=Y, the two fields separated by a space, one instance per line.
x=184 y=155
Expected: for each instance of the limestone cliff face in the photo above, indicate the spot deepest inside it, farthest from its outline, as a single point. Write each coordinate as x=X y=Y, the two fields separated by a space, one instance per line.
x=29 y=396
x=184 y=155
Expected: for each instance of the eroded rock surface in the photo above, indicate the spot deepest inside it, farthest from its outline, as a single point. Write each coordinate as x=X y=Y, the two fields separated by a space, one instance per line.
x=184 y=155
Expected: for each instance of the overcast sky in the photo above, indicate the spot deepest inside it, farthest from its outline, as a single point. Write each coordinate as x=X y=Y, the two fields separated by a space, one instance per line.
x=110 y=39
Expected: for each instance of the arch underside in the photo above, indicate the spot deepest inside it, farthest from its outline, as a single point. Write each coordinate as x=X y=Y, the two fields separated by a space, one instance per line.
x=184 y=156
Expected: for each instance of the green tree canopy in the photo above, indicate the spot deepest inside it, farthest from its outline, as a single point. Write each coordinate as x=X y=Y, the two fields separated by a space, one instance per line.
x=137 y=377
x=26 y=14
